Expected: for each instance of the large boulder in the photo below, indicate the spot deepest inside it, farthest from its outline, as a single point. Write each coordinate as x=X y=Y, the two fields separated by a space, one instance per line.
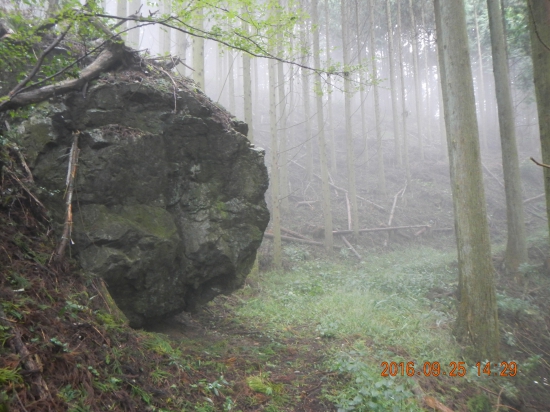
x=169 y=205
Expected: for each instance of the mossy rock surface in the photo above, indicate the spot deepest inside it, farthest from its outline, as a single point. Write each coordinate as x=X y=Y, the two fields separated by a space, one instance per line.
x=169 y=206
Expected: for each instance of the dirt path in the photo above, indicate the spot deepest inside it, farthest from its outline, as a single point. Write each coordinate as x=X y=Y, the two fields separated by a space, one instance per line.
x=290 y=366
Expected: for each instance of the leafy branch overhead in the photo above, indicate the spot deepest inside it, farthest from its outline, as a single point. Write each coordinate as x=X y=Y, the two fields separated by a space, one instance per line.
x=66 y=50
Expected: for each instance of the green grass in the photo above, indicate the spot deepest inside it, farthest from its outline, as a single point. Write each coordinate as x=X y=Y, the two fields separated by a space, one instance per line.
x=382 y=299
x=379 y=308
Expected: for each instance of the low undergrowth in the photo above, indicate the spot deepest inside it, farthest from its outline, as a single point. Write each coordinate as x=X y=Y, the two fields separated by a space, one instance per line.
x=313 y=338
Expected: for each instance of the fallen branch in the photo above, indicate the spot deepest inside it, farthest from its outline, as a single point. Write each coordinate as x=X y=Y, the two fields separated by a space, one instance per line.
x=24 y=164
x=539 y=164
x=340 y=188
x=71 y=175
x=14 y=176
x=295 y=239
x=532 y=199
x=492 y=175
x=380 y=229
x=293 y=233
x=307 y=203
x=395 y=204
x=393 y=210
x=351 y=248
x=421 y=231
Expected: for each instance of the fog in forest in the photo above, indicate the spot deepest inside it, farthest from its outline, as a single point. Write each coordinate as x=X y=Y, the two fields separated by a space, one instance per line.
x=224 y=82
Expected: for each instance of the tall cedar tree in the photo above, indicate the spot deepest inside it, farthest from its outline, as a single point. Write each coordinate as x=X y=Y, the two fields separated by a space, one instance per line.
x=477 y=322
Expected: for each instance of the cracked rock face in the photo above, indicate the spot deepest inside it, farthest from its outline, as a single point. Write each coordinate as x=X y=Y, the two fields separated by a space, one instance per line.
x=169 y=207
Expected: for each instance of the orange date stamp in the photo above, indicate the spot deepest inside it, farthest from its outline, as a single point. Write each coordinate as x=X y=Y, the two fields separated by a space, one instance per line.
x=454 y=369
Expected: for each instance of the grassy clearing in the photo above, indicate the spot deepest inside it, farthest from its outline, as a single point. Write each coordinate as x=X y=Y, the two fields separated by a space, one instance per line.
x=383 y=299
x=394 y=307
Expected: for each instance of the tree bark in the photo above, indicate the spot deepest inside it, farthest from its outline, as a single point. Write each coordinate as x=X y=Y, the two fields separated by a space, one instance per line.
x=247 y=91
x=428 y=78
x=477 y=321
x=393 y=86
x=362 y=95
x=330 y=123
x=516 y=246
x=231 y=80
x=165 y=32
x=304 y=38
x=348 y=115
x=380 y=152
x=417 y=89
x=327 y=208
x=481 y=86
x=281 y=126
x=404 y=111
x=539 y=25
x=198 y=53
x=133 y=35
x=274 y=180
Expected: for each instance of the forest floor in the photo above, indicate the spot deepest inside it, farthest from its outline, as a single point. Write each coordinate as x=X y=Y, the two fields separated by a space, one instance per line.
x=310 y=338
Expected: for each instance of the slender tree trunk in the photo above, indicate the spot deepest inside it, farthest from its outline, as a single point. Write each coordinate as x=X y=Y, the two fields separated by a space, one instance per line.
x=404 y=111
x=477 y=321
x=181 y=51
x=274 y=181
x=380 y=151
x=164 y=32
x=393 y=86
x=307 y=110
x=442 y=128
x=248 y=118
x=516 y=247
x=247 y=91
x=427 y=74
x=231 y=80
x=481 y=86
x=330 y=124
x=362 y=95
x=256 y=84
x=283 y=167
x=122 y=11
x=327 y=208
x=347 y=115
x=539 y=25
x=417 y=88
x=198 y=53
x=133 y=35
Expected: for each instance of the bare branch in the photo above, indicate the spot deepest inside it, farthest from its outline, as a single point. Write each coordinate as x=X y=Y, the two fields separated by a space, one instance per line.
x=539 y=164
x=40 y=61
x=106 y=59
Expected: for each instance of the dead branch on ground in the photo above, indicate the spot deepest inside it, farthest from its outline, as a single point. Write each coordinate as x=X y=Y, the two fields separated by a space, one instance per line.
x=14 y=177
x=351 y=248
x=293 y=233
x=340 y=188
x=382 y=229
x=393 y=211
